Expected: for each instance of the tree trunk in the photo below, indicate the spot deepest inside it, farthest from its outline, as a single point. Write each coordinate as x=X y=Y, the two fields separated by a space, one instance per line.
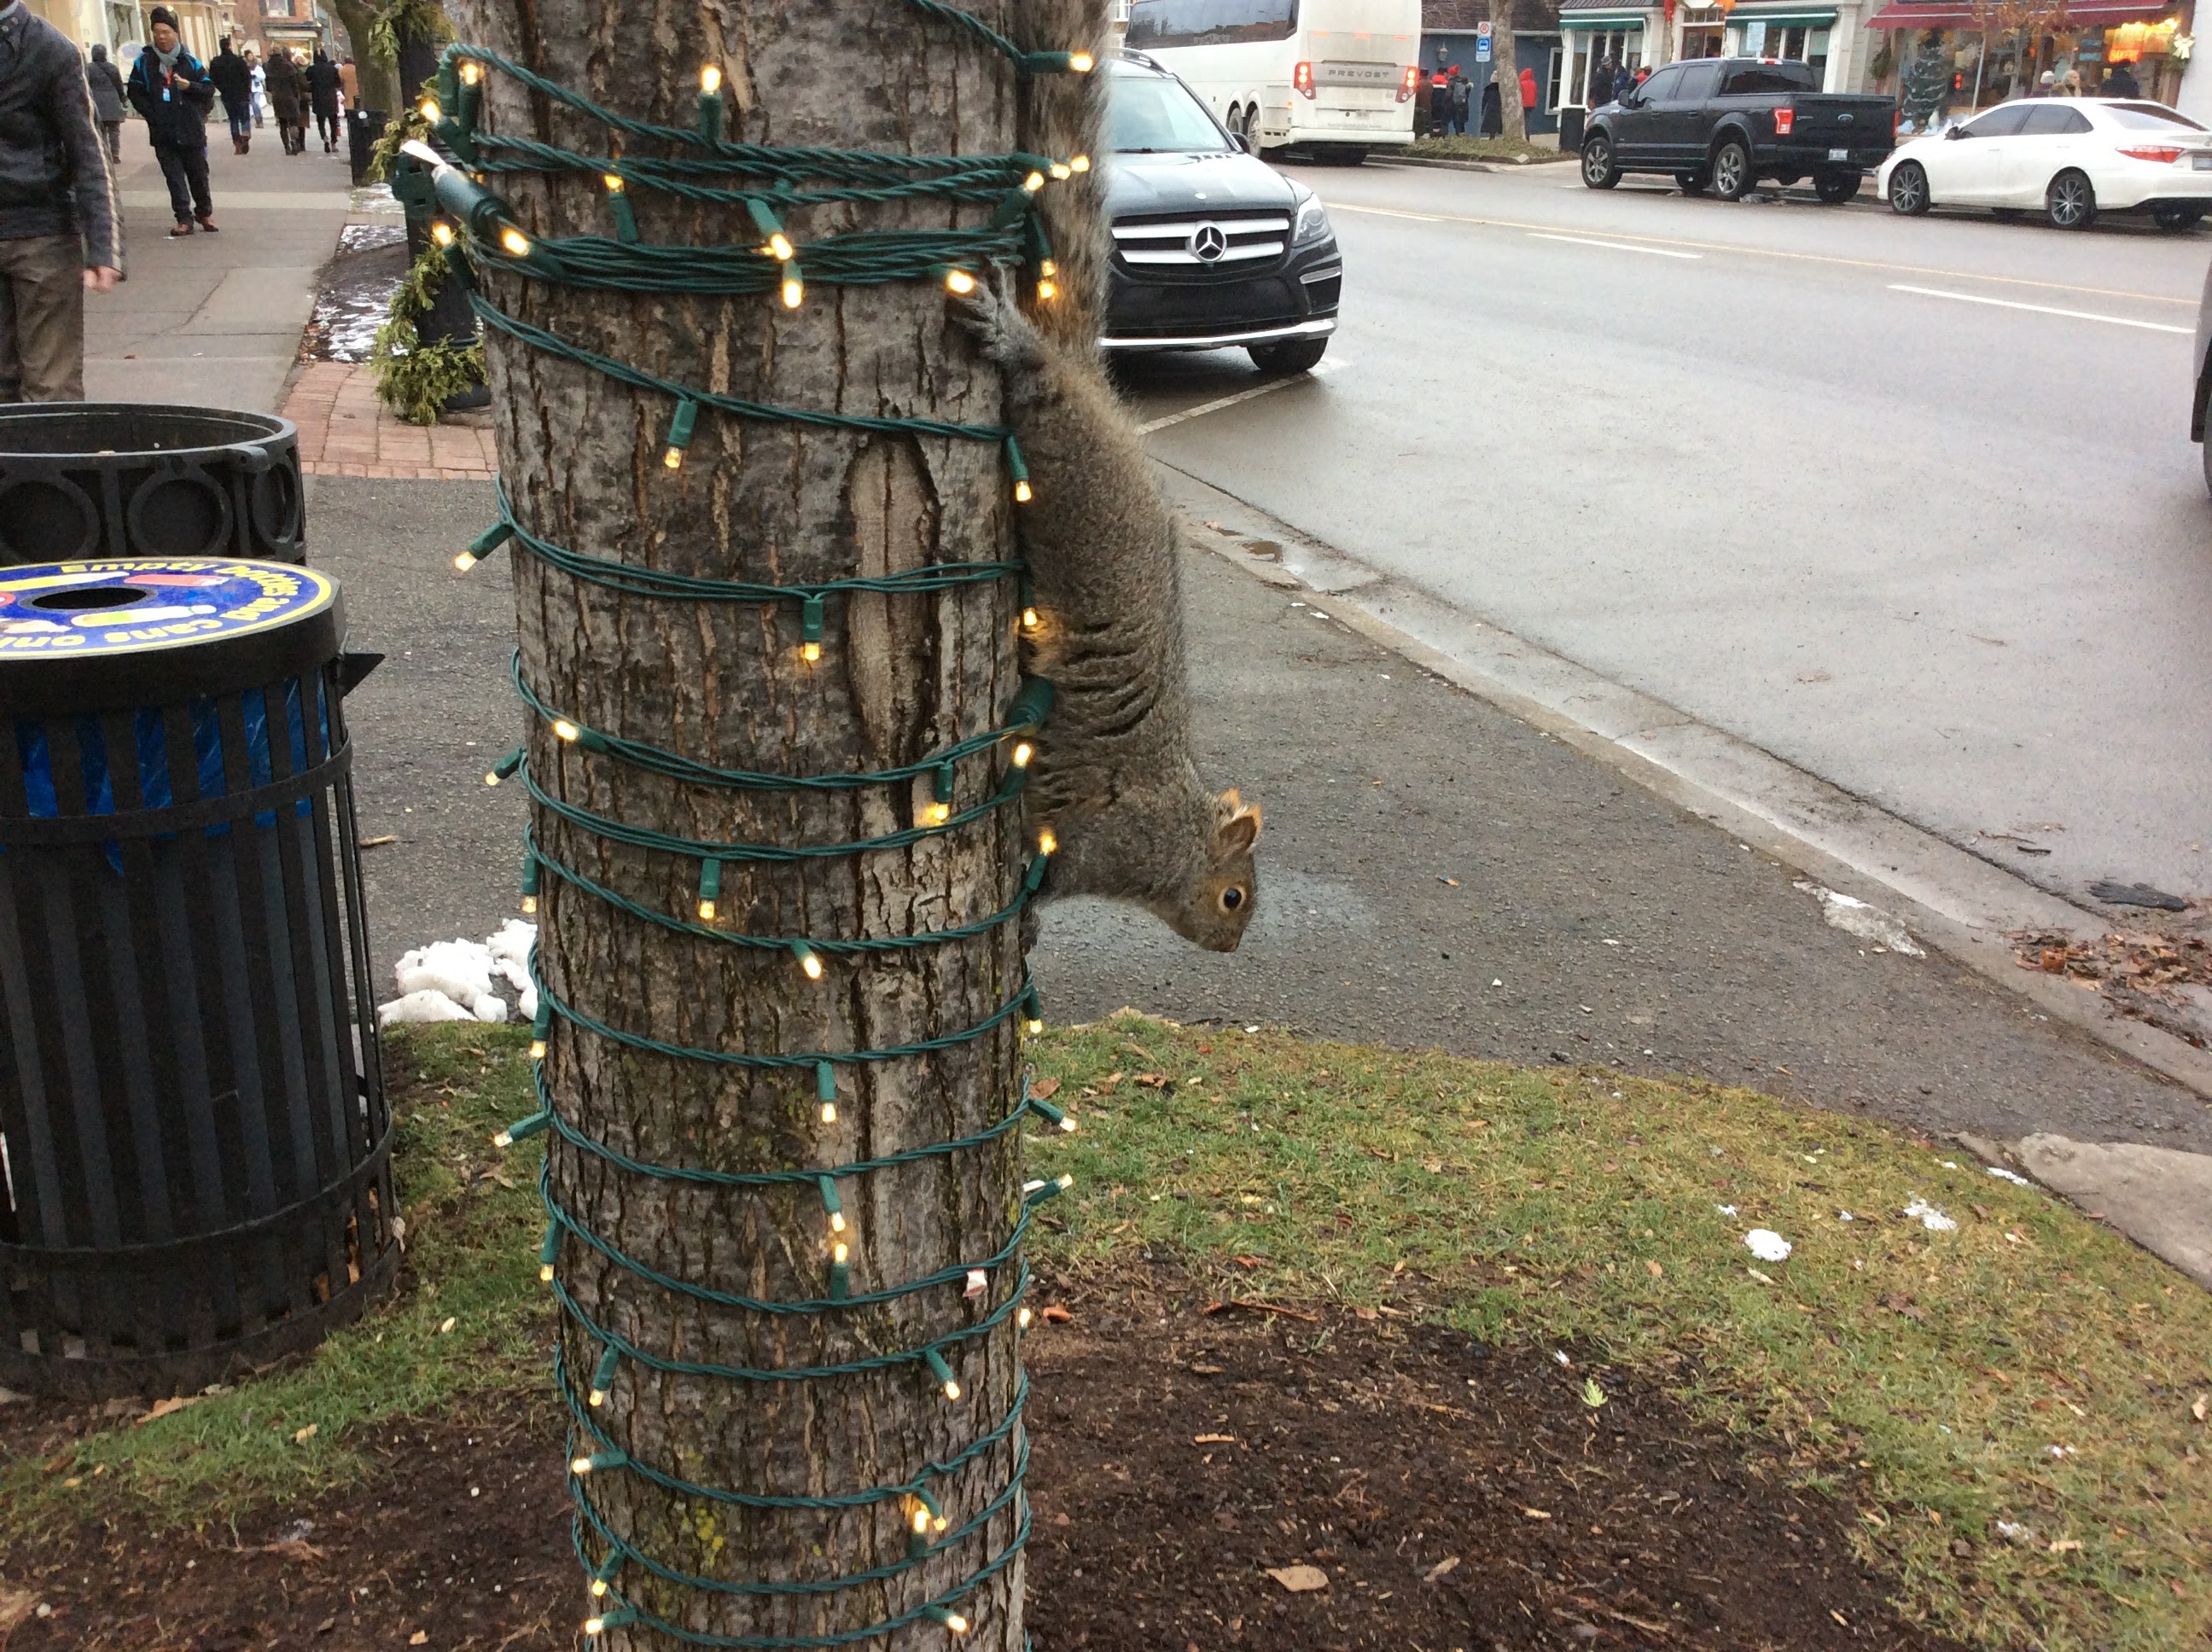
x=1512 y=117
x=379 y=82
x=900 y=677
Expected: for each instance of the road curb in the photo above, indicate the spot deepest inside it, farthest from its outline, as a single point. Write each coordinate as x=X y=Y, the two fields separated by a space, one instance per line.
x=1443 y=163
x=1957 y=902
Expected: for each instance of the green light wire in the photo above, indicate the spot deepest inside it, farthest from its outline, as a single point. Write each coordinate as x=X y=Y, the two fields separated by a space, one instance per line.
x=636 y=581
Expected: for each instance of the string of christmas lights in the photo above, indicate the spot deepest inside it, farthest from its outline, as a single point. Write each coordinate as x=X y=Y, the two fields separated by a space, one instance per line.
x=768 y=184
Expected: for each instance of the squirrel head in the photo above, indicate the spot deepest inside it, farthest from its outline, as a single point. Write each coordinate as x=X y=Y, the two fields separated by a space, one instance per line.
x=1213 y=909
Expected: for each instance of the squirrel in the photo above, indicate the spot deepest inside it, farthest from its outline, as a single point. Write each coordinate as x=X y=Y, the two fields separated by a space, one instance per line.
x=1113 y=779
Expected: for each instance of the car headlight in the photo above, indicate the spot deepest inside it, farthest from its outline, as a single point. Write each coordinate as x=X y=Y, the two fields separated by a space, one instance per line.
x=1312 y=224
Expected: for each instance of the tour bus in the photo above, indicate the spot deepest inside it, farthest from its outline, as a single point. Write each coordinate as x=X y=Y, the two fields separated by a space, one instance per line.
x=1337 y=77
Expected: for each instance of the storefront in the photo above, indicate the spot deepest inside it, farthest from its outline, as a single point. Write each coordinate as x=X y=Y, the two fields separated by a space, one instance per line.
x=1943 y=64
x=1593 y=36
x=1443 y=48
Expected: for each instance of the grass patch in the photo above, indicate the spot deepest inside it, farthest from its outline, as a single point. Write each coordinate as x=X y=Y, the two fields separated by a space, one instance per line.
x=469 y=1210
x=1464 y=146
x=1921 y=1377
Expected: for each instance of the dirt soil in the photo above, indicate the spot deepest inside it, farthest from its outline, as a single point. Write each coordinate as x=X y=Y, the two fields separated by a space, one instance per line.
x=1442 y=1495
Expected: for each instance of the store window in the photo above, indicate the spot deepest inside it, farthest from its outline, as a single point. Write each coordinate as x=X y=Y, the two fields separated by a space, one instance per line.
x=1590 y=48
x=1703 y=40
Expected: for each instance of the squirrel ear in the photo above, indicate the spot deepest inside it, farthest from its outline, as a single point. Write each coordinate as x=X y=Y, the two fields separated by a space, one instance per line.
x=1241 y=829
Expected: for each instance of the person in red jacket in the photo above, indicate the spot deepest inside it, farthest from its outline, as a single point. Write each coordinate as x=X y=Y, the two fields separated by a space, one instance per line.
x=1528 y=88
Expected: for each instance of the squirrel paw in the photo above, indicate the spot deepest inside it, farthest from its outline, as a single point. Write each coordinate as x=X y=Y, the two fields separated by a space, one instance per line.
x=998 y=327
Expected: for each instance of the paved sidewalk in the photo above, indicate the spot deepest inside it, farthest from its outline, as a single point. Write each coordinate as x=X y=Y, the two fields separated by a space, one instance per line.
x=344 y=430
x=216 y=319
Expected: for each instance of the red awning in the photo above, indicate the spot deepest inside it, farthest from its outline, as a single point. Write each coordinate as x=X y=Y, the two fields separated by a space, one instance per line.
x=1904 y=14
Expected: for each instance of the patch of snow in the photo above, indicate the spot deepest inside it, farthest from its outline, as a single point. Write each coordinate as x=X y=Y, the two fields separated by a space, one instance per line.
x=2012 y=1532
x=2013 y=1176
x=1725 y=1210
x=1930 y=1219
x=1855 y=917
x=428 y=1005
x=459 y=980
x=1768 y=1245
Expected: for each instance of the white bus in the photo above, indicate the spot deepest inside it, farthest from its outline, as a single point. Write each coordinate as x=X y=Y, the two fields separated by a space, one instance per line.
x=1338 y=77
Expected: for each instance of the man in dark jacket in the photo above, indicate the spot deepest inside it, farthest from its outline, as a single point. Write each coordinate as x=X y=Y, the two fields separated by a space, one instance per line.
x=173 y=92
x=235 y=81
x=58 y=232
x=1462 y=93
x=288 y=98
x=323 y=84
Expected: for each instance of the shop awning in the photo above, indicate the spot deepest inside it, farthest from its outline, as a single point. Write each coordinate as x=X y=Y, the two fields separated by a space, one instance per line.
x=1791 y=15
x=1607 y=19
x=1906 y=15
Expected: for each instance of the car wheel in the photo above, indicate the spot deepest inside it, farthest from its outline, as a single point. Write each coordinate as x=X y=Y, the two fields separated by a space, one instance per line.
x=1837 y=187
x=1692 y=183
x=2177 y=218
x=2070 y=203
x=1732 y=174
x=1908 y=190
x=1600 y=169
x=1291 y=355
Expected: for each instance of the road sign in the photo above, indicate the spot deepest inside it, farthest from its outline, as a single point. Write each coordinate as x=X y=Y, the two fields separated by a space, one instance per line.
x=1482 y=49
x=1482 y=31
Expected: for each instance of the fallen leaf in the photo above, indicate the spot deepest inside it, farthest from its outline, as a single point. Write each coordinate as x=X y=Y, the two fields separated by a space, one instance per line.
x=1654 y=1270
x=1440 y=1569
x=378 y=842
x=1044 y=1089
x=1152 y=1080
x=1593 y=1395
x=1248 y=1262
x=1299 y=1580
x=1839 y=1618
x=1535 y=1513
x=297 y=1548
x=1056 y=1315
x=447 y=1325
x=2203 y=1405
x=1206 y=1371
x=2065 y=1545
x=1757 y=1275
x=1213 y=1439
x=16 y=1605
x=163 y=1407
x=420 y=1637
x=300 y=1436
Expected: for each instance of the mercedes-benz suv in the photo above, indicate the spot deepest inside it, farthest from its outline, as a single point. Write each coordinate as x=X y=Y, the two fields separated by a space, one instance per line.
x=1212 y=247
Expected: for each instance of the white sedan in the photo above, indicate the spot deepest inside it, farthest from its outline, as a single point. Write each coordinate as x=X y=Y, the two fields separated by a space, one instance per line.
x=2071 y=158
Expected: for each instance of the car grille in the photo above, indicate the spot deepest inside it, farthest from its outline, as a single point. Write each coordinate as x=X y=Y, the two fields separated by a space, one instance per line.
x=1140 y=311
x=1242 y=237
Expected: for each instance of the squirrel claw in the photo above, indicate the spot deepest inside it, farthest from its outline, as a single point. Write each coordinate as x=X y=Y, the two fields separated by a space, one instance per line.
x=997 y=325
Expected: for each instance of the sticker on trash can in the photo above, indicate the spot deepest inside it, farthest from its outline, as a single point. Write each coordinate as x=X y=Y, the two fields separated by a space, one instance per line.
x=135 y=604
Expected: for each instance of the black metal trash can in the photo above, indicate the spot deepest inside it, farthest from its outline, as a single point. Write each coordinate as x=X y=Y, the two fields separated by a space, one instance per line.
x=364 y=128
x=122 y=479
x=197 y=1144
x=1571 y=129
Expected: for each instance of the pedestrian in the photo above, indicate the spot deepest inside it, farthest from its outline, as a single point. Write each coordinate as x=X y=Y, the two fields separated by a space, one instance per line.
x=1493 y=118
x=173 y=92
x=323 y=84
x=349 y=83
x=1439 y=102
x=2048 y=86
x=1602 y=77
x=260 y=79
x=287 y=98
x=1528 y=88
x=58 y=230
x=1624 y=81
x=235 y=81
x=2072 y=83
x=2122 y=82
x=1462 y=95
x=109 y=108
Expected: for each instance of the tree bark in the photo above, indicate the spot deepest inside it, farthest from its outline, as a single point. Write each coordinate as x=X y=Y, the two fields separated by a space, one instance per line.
x=900 y=677
x=379 y=82
x=1513 y=119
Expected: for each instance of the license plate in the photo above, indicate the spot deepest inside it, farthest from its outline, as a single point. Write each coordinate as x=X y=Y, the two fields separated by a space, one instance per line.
x=1839 y=155
x=2201 y=163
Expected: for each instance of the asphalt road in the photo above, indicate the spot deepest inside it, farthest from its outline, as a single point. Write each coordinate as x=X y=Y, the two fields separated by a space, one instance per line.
x=1908 y=503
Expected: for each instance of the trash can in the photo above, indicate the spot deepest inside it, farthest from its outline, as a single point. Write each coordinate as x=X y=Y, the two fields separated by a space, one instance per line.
x=364 y=128
x=121 y=479
x=197 y=1150
x=1571 y=129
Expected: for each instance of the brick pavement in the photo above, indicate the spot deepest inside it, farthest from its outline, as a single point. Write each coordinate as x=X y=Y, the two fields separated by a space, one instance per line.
x=344 y=430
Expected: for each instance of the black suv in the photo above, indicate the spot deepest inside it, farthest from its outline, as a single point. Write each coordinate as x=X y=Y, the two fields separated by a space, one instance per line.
x=1212 y=247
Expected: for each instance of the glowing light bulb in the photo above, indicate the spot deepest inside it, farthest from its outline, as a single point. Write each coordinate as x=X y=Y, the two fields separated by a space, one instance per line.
x=538 y=1049
x=810 y=961
x=529 y=906
x=490 y=779
x=953 y=1620
x=1067 y=1124
x=1034 y=182
x=836 y=1221
x=1022 y=492
x=921 y=1522
x=580 y=1465
x=598 y=1588
x=441 y=231
x=430 y=112
x=613 y=181
x=1032 y=1025
x=1031 y=620
x=463 y=562
x=710 y=79
x=1062 y=172
x=1079 y=163
x=810 y=651
x=780 y=247
x=813 y=967
x=1047 y=841
x=1064 y=1180
x=565 y=729
x=516 y=243
x=795 y=292
x=960 y=282
x=673 y=458
x=1023 y=752
x=840 y=1251
x=829 y=1111
x=1081 y=62
x=705 y=912
x=952 y=1392
x=545 y=1273
x=1046 y=291
x=1046 y=267
x=1023 y=1317
x=472 y=72
x=936 y=814
x=595 y=1625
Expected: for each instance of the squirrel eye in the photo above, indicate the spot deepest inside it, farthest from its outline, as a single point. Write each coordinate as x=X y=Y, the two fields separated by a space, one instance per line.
x=1231 y=898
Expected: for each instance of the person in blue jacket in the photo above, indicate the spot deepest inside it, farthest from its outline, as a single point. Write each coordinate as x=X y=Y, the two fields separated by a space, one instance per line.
x=170 y=88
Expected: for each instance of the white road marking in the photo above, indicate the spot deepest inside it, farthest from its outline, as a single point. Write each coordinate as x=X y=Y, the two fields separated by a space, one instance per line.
x=1613 y=247
x=1320 y=369
x=1386 y=212
x=2042 y=309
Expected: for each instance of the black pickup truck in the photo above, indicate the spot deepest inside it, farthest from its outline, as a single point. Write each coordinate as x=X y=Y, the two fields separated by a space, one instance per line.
x=1722 y=124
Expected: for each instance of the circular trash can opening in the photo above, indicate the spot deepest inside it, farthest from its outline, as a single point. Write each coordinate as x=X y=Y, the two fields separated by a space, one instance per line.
x=197 y=1145
x=122 y=479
